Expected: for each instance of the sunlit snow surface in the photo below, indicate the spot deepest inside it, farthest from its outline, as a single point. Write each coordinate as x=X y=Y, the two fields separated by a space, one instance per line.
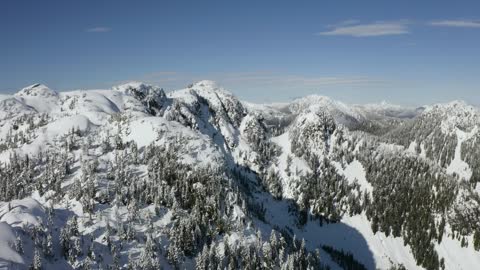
x=458 y=166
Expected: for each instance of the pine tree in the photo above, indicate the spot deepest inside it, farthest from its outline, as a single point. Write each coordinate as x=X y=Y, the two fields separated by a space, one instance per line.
x=148 y=258
x=476 y=240
x=77 y=247
x=108 y=234
x=201 y=259
x=87 y=264
x=49 y=245
x=37 y=260
x=116 y=259
x=64 y=241
x=91 y=250
x=173 y=254
x=19 y=245
x=131 y=264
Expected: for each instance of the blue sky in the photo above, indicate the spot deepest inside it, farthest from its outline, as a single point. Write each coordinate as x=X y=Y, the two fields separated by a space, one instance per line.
x=407 y=52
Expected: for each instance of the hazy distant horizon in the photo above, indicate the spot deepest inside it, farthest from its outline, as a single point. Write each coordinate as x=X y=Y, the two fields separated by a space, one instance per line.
x=404 y=52
x=238 y=93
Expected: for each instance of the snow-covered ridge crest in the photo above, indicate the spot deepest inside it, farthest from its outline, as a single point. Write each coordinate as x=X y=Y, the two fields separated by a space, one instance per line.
x=311 y=131
x=11 y=107
x=38 y=96
x=131 y=88
x=342 y=112
x=453 y=115
x=208 y=84
x=152 y=97
x=222 y=101
x=37 y=90
x=385 y=108
x=455 y=104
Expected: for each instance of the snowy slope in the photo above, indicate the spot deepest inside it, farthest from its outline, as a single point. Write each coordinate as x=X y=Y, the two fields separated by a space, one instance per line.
x=458 y=166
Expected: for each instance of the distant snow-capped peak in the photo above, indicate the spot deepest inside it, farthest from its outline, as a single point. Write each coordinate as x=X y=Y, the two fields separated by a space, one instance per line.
x=453 y=115
x=36 y=90
x=207 y=84
x=135 y=88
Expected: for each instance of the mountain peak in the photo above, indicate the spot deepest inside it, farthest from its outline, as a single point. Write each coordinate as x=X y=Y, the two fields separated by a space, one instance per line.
x=140 y=86
x=36 y=90
x=453 y=115
x=138 y=89
x=458 y=106
x=341 y=112
x=312 y=99
x=207 y=84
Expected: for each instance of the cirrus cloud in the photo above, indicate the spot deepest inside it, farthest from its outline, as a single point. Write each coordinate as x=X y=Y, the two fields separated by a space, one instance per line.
x=174 y=80
x=99 y=29
x=457 y=23
x=354 y=29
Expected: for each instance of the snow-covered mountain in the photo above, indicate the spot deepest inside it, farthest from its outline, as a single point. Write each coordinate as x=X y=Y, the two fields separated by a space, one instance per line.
x=134 y=177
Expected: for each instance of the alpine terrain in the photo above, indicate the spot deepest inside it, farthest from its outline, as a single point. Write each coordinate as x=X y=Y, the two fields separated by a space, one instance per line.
x=134 y=177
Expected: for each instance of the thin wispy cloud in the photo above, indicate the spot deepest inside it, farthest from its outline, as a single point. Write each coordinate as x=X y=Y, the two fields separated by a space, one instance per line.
x=271 y=78
x=98 y=30
x=268 y=85
x=175 y=80
x=457 y=23
x=343 y=23
x=354 y=29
